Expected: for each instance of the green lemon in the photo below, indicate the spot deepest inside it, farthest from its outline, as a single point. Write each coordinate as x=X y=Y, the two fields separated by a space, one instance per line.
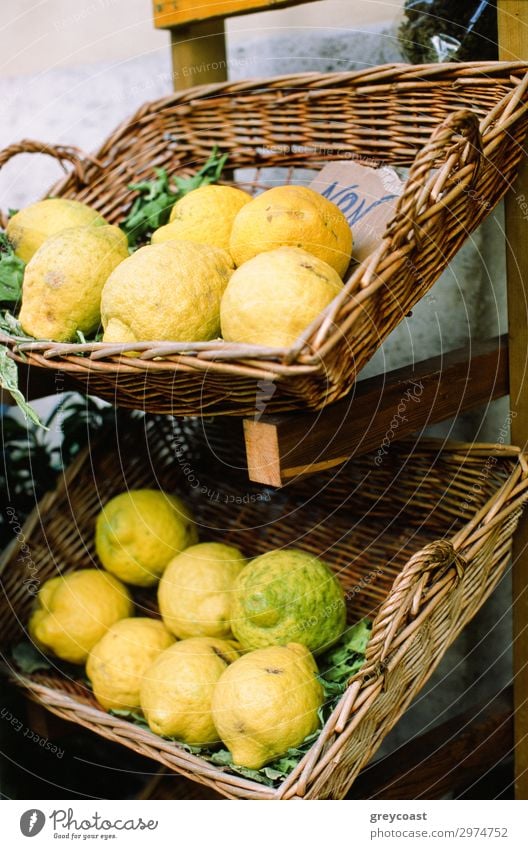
x=287 y=596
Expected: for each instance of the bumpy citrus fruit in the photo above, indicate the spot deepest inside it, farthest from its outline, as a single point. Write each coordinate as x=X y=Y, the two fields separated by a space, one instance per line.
x=205 y=215
x=61 y=291
x=287 y=596
x=29 y=228
x=266 y=703
x=296 y=216
x=117 y=662
x=74 y=611
x=138 y=532
x=273 y=297
x=194 y=592
x=177 y=690
x=166 y=292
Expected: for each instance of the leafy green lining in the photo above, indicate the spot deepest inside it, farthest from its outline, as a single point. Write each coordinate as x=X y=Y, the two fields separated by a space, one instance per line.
x=151 y=209
x=11 y=272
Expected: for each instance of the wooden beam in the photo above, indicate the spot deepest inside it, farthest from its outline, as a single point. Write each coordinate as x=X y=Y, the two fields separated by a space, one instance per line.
x=175 y=13
x=513 y=44
x=198 y=54
x=447 y=759
x=378 y=411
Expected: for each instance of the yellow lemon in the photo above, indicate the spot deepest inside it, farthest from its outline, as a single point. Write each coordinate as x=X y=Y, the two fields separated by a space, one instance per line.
x=294 y=216
x=176 y=691
x=61 y=290
x=166 y=292
x=267 y=702
x=204 y=215
x=138 y=532
x=117 y=662
x=273 y=297
x=74 y=611
x=29 y=228
x=194 y=592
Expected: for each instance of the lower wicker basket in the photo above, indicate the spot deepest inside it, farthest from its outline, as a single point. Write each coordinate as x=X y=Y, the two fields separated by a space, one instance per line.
x=419 y=537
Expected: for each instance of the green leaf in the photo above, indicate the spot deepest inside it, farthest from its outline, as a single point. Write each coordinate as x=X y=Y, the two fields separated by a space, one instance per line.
x=344 y=659
x=11 y=271
x=151 y=208
x=132 y=716
x=29 y=659
x=12 y=326
x=9 y=381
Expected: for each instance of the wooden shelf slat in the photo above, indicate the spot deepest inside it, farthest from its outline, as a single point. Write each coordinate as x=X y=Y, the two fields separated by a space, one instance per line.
x=387 y=407
x=175 y=13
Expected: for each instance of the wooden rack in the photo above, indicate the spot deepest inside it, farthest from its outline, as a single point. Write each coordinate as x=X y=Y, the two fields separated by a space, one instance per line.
x=279 y=448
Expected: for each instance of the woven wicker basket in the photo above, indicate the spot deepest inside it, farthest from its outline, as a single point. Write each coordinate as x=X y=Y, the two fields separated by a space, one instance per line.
x=419 y=543
x=459 y=127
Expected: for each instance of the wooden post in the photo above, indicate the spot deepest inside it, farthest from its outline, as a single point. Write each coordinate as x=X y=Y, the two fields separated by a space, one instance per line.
x=198 y=54
x=513 y=45
x=198 y=36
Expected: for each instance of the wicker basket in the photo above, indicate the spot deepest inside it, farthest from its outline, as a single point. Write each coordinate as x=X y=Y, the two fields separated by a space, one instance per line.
x=419 y=543
x=459 y=127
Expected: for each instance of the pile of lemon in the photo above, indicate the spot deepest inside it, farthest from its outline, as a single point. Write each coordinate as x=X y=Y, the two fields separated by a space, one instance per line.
x=232 y=657
x=227 y=265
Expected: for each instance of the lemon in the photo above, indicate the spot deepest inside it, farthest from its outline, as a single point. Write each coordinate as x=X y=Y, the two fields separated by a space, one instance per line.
x=287 y=596
x=74 y=611
x=29 y=228
x=117 y=662
x=294 y=216
x=273 y=297
x=176 y=691
x=204 y=215
x=194 y=593
x=61 y=291
x=267 y=702
x=138 y=532
x=166 y=292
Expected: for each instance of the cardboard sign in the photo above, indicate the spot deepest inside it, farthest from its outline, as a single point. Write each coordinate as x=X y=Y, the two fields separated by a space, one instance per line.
x=367 y=197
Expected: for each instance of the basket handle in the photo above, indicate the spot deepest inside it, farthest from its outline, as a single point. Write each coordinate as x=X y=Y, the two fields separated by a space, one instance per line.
x=62 y=153
x=460 y=134
x=428 y=576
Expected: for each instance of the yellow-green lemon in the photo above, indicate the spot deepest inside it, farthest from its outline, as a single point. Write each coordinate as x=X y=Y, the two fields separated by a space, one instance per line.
x=267 y=702
x=295 y=216
x=29 y=228
x=287 y=596
x=194 y=592
x=76 y=610
x=61 y=290
x=272 y=298
x=177 y=690
x=117 y=662
x=166 y=292
x=138 y=532
x=204 y=215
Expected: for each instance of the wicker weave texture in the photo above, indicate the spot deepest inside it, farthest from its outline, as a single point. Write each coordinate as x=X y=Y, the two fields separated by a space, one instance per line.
x=458 y=127
x=419 y=543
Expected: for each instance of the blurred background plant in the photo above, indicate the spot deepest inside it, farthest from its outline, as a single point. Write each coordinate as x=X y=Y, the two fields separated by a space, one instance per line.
x=33 y=457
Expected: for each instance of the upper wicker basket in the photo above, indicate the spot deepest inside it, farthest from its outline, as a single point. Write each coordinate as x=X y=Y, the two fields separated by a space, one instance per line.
x=458 y=127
